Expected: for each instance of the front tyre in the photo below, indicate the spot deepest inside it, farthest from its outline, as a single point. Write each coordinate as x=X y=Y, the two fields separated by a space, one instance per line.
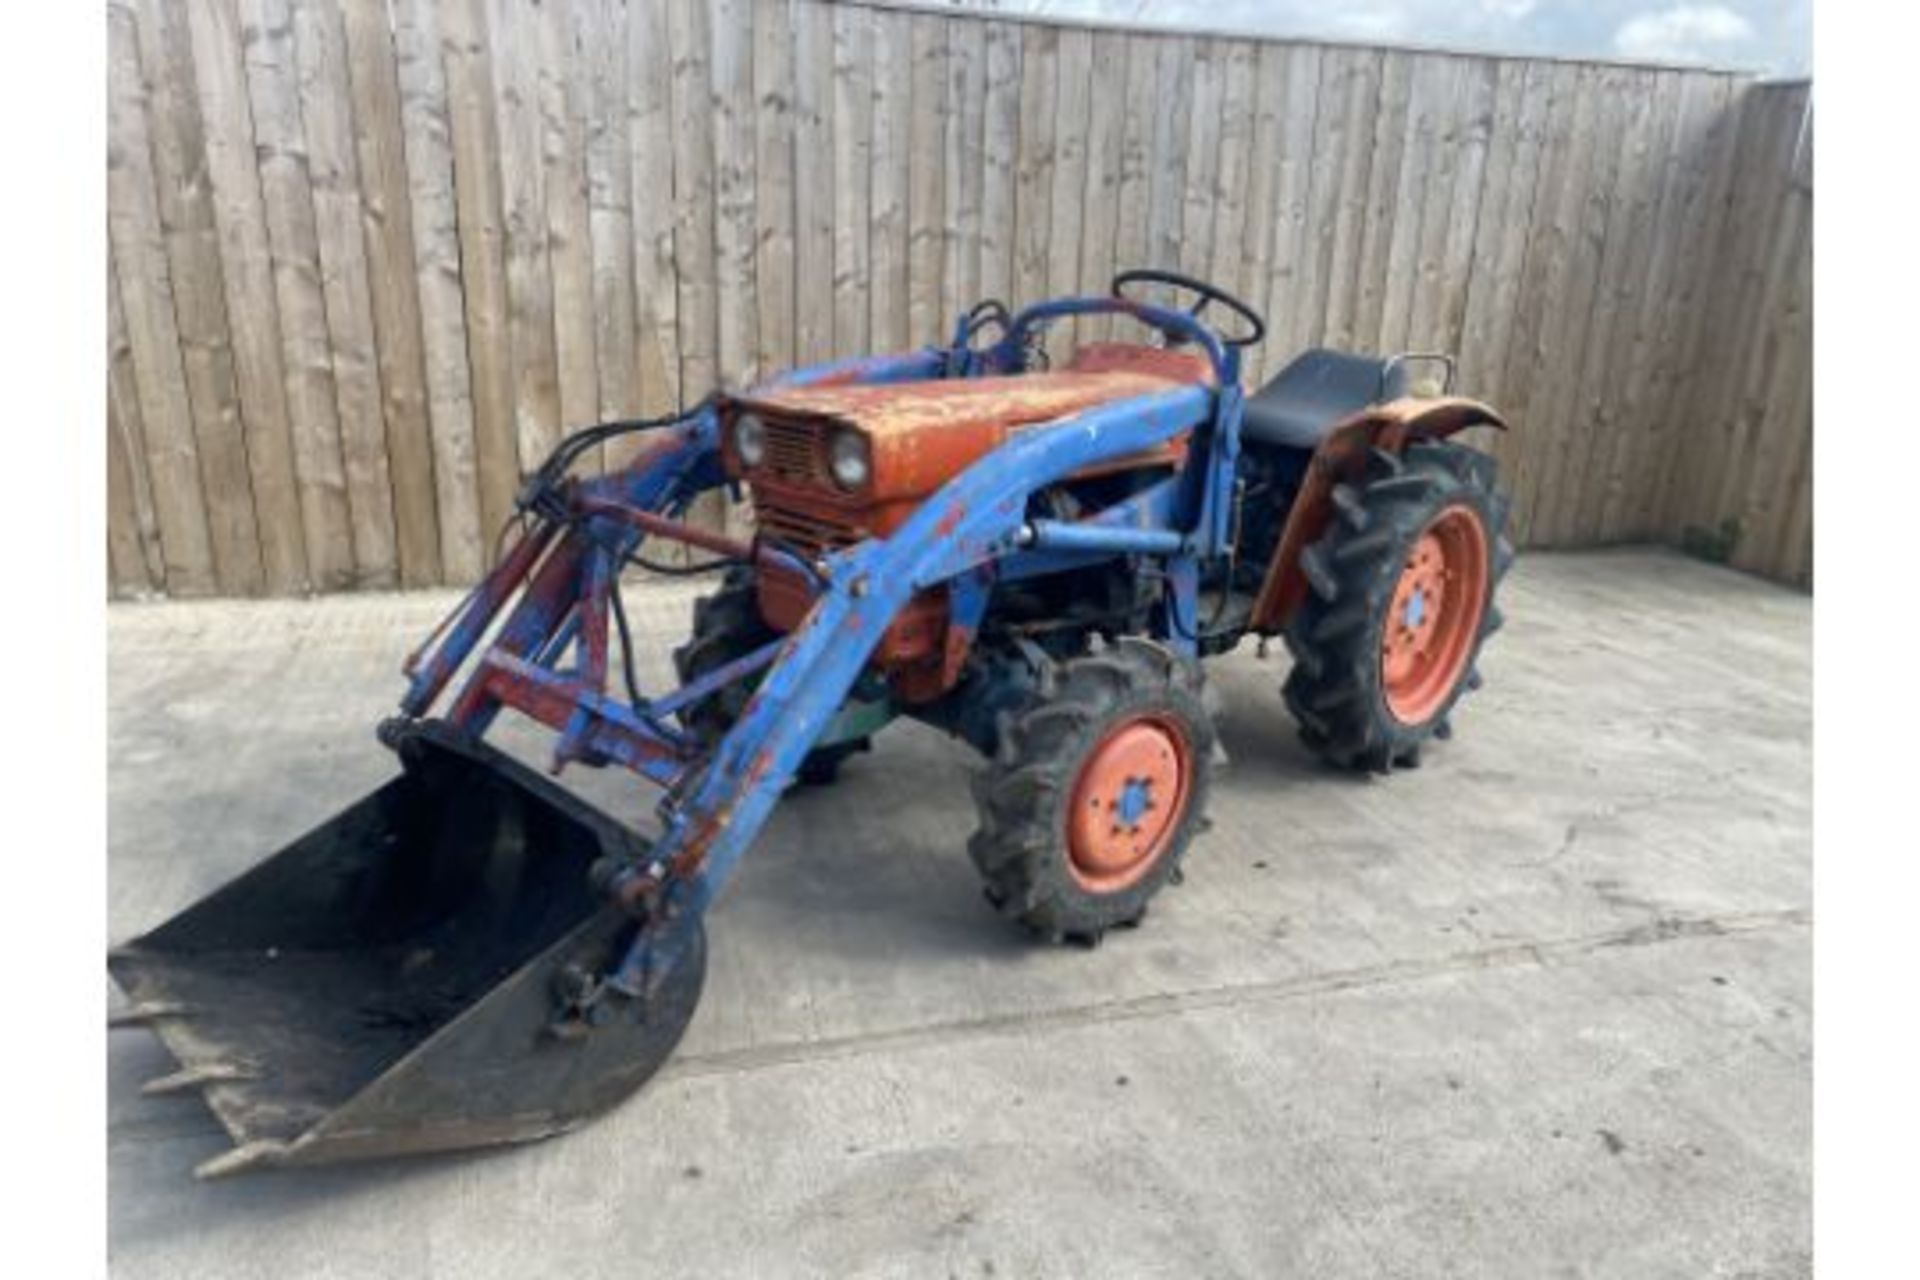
x=1401 y=600
x=727 y=626
x=1098 y=789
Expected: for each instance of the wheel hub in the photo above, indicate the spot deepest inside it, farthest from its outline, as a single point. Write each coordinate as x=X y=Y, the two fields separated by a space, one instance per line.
x=1435 y=615
x=1127 y=803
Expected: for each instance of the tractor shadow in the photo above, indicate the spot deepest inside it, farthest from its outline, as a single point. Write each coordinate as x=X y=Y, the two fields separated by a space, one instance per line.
x=1261 y=740
x=875 y=866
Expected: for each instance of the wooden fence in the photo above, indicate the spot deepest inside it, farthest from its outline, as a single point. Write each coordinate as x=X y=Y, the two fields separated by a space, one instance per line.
x=369 y=257
x=1740 y=479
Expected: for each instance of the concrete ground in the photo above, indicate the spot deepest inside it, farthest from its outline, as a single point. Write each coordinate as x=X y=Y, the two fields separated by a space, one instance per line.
x=1541 y=1008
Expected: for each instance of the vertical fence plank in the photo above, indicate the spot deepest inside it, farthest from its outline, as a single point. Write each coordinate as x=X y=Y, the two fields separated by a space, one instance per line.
x=1033 y=169
x=433 y=198
x=890 y=323
x=1172 y=106
x=1066 y=210
x=384 y=204
x=1000 y=128
x=1632 y=501
x=731 y=77
x=1389 y=160
x=1292 y=190
x=773 y=184
x=966 y=166
x=1540 y=290
x=927 y=174
x=512 y=39
x=1106 y=122
x=813 y=181
x=126 y=557
x=1618 y=372
x=1231 y=178
x=1450 y=144
x=1599 y=244
x=1500 y=242
x=353 y=345
x=1778 y=398
x=695 y=241
x=563 y=69
x=141 y=263
x=198 y=287
x=1713 y=286
x=656 y=296
x=1340 y=114
x=1421 y=155
x=1204 y=114
x=286 y=196
x=852 y=173
x=135 y=558
x=600 y=39
x=691 y=40
x=239 y=217
x=1440 y=317
x=1267 y=102
x=1773 y=229
x=473 y=129
x=1606 y=232
x=1134 y=191
x=1349 y=202
x=1583 y=223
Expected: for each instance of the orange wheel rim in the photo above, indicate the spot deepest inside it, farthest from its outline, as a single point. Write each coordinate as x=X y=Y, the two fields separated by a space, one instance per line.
x=1127 y=803
x=1435 y=615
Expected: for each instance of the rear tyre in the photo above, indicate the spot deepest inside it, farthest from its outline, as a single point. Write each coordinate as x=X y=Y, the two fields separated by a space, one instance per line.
x=727 y=625
x=1097 y=790
x=1400 y=601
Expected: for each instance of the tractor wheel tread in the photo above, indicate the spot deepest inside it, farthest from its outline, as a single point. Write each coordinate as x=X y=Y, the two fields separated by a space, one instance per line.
x=1365 y=547
x=1345 y=622
x=1409 y=484
x=1319 y=574
x=1349 y=507
x=1019 y=847
x=1333 y=690
x=1304 y=655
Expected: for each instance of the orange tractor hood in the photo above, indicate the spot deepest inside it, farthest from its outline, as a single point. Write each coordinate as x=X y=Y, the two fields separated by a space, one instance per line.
x=924 y=433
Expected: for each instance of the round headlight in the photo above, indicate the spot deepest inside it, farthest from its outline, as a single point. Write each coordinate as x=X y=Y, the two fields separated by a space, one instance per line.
x=849 y=459
x=749 y=440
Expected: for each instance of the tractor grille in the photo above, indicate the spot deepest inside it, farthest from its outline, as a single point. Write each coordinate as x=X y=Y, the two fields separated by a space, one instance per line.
x=793 y=451
x=794 y=467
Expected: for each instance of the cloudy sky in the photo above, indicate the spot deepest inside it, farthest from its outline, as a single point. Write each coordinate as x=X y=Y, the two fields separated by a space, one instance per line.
x=1775 y=36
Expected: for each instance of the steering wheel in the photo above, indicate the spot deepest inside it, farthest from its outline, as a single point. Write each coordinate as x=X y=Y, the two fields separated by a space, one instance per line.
x=1208 y=293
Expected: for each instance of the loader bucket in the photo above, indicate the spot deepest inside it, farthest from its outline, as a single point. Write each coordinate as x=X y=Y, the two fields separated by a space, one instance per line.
x=387 y=983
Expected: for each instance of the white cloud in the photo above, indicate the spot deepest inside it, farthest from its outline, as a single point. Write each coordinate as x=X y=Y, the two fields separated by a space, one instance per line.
x=1684 y=33
x=1370 y=21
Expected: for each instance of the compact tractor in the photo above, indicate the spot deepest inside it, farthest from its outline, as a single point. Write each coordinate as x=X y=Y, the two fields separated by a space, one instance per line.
x=1035 y=559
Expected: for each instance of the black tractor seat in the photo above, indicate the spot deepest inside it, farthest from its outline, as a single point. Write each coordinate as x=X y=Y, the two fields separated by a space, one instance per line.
x=1320 y=389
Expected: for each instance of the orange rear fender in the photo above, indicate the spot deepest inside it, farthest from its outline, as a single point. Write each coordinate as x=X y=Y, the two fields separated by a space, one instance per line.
x=1342 y=455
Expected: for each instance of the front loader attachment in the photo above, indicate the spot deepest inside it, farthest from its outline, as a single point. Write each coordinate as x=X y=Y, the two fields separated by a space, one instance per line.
x=405 y=976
